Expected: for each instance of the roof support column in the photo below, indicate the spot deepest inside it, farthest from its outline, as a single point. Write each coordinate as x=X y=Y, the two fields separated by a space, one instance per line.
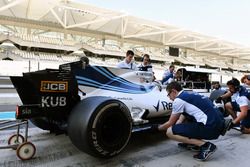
x=28 y=31
x=65 y=36
x=103 y=41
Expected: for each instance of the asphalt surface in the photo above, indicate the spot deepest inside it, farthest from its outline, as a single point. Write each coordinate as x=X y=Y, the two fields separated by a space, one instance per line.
x=144 y=149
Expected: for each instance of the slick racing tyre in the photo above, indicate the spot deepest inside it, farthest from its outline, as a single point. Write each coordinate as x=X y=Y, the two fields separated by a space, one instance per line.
x=100 y=126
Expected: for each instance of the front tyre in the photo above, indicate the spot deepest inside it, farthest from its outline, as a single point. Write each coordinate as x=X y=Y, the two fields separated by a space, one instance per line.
x=100 y=126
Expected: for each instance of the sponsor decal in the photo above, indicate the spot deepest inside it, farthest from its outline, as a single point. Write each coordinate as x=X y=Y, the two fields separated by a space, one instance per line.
x=26 y=111
x=53 y=101
x=164 y=104
x=144 y=74
x=121 y=98
x=145 y=77
x=96 y=144
x=54 y=86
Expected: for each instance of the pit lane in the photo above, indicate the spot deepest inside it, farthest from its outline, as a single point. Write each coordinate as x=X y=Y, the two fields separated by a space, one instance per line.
x=144 y=149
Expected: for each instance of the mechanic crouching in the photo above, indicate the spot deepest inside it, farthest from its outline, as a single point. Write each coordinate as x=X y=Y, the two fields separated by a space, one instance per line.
x=193 y=120
x=239 y=103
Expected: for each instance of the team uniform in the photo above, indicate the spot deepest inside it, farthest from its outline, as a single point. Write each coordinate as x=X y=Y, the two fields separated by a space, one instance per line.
x=206 y=122
x=142 y=67
x=167 y=77
x=239 y=99
x=124 y=65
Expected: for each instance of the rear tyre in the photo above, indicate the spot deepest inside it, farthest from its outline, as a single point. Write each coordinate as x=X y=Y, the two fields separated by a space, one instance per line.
x=100 y=126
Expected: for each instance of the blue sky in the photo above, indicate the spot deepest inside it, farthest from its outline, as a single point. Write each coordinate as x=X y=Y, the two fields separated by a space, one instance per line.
x=226 y=19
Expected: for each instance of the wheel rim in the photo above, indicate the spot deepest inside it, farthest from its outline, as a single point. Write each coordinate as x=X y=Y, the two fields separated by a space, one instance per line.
x=26 y=151
x=112 y=128
x=16 y=139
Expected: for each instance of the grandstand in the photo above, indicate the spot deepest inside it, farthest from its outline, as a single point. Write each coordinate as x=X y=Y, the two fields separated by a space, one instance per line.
x=38 y=34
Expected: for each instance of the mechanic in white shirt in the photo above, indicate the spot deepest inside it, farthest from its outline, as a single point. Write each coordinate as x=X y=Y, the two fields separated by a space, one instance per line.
x=239 y=103
x=128 y=62
x=205 y=122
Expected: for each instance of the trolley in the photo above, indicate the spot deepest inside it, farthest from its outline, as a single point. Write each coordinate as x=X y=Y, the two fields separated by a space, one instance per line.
x=24 y=150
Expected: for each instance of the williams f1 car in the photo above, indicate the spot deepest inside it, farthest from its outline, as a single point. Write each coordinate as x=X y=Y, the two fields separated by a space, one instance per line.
x=98 y=107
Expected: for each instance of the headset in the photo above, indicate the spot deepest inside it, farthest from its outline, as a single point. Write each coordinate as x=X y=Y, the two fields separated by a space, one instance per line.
x=235 y=82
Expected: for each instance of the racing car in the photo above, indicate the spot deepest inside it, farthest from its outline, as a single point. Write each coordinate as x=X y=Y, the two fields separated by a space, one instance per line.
x=97 y=107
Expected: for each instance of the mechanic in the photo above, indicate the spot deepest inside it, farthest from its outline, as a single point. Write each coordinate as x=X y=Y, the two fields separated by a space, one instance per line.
x=168 y=75
x=128 y=62
x=216 y=86
x=216 y=92
x=239 y=103
x=193 y=120
x=246 y=80
x=146 y=64
x=85 y=60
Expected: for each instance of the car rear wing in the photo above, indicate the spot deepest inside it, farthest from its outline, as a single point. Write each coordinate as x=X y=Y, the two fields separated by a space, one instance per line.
x=51 y=92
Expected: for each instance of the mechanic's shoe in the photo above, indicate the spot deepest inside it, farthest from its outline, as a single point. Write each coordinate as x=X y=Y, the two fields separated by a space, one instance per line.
x=245 y=130
x=227 y=125
x=235 y=127
x=191 y=147
x=206 y=151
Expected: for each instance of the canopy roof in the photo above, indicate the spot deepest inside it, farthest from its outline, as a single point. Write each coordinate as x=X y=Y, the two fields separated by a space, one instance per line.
x=70 y=17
